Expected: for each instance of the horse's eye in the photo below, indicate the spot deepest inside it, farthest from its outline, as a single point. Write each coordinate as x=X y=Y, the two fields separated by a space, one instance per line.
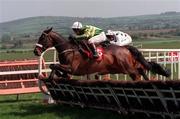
x=42 y=37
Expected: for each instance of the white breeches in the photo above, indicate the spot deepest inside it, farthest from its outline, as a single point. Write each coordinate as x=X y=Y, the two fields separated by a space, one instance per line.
x=98 y=38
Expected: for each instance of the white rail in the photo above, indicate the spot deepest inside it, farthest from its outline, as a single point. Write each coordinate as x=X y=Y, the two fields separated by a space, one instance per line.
x=19 y=72
x=169 y=58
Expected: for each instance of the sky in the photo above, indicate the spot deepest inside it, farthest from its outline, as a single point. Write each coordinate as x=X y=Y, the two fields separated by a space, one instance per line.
x=17 y=9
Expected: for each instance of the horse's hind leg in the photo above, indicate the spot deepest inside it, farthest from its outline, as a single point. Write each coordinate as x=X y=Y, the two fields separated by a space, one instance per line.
x=135 y=77
x=106 y=77
x=88 y=77
x=141 y=71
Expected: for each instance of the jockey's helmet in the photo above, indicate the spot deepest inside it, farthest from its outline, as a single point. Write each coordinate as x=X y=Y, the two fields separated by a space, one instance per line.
x=77 y=25
x=109 y=32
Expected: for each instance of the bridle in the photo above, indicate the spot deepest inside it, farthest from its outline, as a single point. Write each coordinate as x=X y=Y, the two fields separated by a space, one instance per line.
x=41 y=46
x=59 y=44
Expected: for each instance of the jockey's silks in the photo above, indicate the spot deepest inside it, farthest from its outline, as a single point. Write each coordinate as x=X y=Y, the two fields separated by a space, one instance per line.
x=88 y=32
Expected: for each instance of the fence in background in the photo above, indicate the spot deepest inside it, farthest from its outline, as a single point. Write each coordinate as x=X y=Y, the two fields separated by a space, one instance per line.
x=19 y=77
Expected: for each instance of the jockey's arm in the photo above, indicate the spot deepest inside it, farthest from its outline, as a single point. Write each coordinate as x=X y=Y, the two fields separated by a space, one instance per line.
x=86 y=35
x=81 y=37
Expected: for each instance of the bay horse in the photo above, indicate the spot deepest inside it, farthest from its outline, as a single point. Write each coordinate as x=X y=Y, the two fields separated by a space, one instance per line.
x=116 y=59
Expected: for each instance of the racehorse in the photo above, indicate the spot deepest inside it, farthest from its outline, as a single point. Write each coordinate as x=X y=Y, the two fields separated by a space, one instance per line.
x=116 y=59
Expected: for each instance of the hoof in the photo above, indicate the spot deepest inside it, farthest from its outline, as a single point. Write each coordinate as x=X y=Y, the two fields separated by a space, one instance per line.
x=106 y=77
x=40 y=77
x=168 y=73
x=96 y=77
x=52 y=66
x=58 y=73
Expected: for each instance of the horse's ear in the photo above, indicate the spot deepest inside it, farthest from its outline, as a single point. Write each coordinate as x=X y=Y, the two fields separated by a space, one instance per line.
x=51 y=28
x=48 y=30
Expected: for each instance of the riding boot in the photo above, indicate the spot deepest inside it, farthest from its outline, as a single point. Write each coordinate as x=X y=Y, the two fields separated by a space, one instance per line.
x=94 y=51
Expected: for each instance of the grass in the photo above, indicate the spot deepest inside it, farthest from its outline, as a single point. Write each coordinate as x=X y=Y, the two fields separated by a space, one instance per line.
x=169 y=45
x=160 y=44
x=19 y=55
x=16 y=55
x=39 y=111
x=30 y=107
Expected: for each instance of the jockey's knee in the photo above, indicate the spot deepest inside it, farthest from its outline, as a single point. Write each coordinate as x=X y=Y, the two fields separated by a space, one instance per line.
x=90 y=41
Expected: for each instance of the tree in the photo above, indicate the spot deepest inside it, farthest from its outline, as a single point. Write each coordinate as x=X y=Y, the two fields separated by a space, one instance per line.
x=18 y=44
x=5 y=38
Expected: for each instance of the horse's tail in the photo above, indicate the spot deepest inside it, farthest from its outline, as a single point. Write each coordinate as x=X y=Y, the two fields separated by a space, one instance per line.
x=152 y=66
x=157 y=69
x=139 y=57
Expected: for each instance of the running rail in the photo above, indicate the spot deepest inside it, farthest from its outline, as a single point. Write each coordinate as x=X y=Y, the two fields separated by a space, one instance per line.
x=19 y=77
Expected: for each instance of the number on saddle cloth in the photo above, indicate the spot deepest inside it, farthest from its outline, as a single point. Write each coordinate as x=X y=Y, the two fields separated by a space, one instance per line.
x=87 y=52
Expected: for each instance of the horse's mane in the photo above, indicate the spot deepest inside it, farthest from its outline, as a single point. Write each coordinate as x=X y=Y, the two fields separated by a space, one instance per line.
x=65 y=39
x=59 y=35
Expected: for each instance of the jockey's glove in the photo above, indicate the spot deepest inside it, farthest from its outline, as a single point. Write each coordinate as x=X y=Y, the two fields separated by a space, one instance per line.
x=71 y=37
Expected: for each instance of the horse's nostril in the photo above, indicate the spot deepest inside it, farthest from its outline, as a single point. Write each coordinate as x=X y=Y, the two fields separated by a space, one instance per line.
x=36 y=52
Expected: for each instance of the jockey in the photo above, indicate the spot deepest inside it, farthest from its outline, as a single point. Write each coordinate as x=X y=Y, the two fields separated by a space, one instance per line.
x=118 y=38
x=93 y=34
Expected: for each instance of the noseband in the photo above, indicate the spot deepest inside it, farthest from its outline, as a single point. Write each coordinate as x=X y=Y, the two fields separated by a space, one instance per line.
x=39 y=45
x=59 y=44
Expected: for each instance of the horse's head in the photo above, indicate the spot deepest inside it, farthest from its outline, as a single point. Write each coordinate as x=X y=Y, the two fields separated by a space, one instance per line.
x=45 y=41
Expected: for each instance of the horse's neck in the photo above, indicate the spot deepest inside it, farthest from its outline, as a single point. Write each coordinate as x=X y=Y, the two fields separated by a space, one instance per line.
x=61 y=44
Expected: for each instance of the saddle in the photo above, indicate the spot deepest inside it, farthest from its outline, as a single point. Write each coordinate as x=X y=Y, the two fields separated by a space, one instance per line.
x=86 y=51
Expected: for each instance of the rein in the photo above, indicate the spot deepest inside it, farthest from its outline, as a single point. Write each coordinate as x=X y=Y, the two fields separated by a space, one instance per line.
x=68 y=50
x=59 y=44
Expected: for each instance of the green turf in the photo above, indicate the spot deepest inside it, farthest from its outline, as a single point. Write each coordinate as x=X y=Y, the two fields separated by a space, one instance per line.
x=31 y=107
x=16 y=55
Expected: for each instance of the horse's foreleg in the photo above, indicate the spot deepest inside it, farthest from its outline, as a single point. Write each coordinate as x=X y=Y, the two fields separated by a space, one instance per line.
x=61 y=67
x=88 y=77
x=96 y=76
x=61 y=70
x=56 y=74
x=106 y=77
